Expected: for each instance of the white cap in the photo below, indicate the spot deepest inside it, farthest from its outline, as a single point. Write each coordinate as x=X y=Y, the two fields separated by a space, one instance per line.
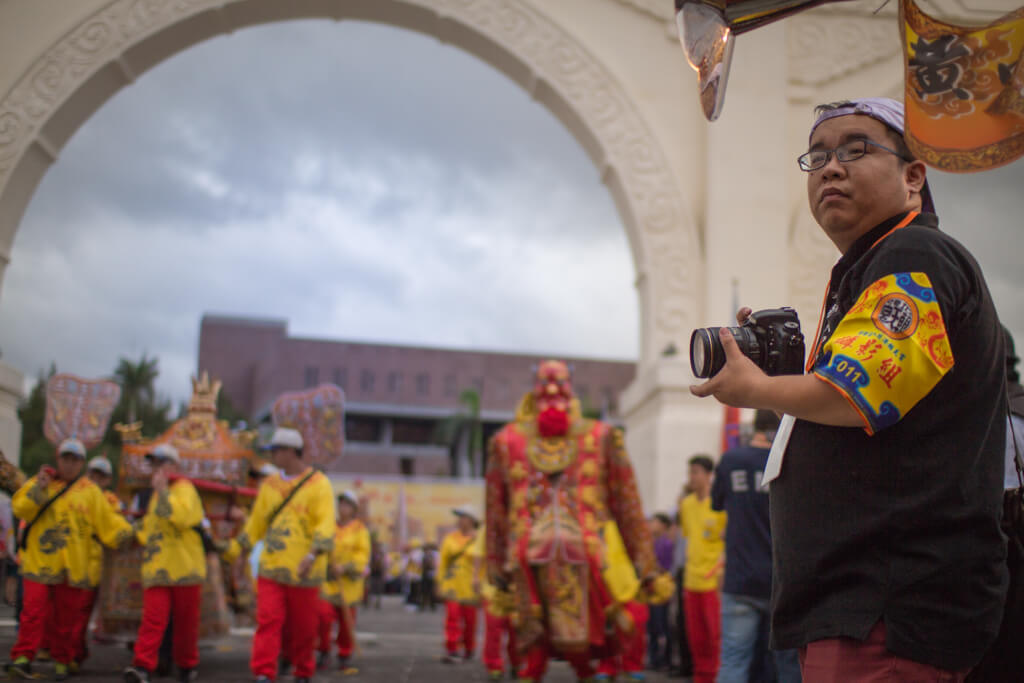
x=350 y=496
x=101 y=464
x=467 y=511
x=72 y=447
x=164 y=451
x=285 y=437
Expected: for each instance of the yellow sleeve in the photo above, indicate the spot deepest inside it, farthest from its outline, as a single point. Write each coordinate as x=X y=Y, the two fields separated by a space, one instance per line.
x=682 y=518
x=255 y=527
x=478 y=549
x=28 y=499
x=889 y=350
x=112 y=528
x=180 y=505
x=446 y=556
x=321 y=510
x=361 y=551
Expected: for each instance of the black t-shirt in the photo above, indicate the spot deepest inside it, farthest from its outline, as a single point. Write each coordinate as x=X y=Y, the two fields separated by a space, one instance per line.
x=748 y=536
x=901 y=525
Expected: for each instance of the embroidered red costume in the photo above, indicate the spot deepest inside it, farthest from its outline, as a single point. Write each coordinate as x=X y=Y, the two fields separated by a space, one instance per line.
x=553 y=479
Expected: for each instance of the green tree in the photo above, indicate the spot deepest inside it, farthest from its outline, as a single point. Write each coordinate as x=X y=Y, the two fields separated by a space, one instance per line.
x=137 y=383
x=450 y=430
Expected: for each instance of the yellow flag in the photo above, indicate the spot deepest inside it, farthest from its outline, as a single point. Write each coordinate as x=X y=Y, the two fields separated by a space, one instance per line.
x=964 y=95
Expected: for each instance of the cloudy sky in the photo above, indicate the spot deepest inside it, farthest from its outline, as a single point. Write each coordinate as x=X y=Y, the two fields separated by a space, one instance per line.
x=364 y=183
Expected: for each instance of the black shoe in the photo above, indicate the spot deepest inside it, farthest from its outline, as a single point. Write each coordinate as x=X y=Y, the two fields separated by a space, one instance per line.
x=188 y=675
x=136 y=674
x=323 y=660
x=20 y=668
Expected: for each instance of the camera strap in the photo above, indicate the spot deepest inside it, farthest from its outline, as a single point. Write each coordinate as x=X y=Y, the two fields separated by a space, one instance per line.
x=813 y=355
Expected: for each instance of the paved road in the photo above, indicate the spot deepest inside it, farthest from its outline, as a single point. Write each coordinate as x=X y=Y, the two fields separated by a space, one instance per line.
x=396 y=647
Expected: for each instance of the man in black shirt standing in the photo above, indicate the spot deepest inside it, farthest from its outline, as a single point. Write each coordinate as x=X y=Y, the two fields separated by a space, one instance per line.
x=747 y=587
x=888 y=560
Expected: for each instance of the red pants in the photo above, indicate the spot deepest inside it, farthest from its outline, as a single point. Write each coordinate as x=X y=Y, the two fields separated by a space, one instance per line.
x=39 y=600
x=81 y=634
x=460 y=626
x=537 y=663
x=330 y=613
x=632 y=645
x=277 y=603
x=494 y=627
x=704 y=631
x=160 y=603
x=846 y=660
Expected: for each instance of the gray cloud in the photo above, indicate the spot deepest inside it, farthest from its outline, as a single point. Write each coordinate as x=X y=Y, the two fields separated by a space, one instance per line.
x=415 y=197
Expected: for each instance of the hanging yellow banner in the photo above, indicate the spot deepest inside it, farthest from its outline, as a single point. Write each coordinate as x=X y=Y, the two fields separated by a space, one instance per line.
x=964 y=90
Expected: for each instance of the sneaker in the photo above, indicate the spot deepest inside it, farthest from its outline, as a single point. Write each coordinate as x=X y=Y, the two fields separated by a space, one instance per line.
x=60 y=672
x=43 y=655
x=496 y=675
x=20 y=668
x=188 y=675
x=136 y=674
x=636 y=676
x=74 y=668
x=451 y=658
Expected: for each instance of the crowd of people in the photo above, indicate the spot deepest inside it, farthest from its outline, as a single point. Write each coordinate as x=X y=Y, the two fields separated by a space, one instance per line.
x=856 y=538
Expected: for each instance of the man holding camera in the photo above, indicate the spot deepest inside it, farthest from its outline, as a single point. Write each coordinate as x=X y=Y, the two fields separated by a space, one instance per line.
x=888 y=560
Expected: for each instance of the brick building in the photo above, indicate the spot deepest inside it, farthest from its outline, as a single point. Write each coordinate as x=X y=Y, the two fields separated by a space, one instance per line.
x=402 y=402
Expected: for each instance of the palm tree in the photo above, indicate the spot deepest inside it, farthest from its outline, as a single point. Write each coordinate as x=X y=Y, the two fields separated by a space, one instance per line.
x=450 y=431
x=136 y=380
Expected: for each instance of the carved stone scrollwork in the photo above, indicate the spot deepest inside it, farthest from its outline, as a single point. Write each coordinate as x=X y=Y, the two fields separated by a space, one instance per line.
x=811 y=257
x=555 y=56
x=823 y=48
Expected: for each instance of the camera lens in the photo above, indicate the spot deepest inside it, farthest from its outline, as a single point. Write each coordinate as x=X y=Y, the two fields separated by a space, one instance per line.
x=706 y=354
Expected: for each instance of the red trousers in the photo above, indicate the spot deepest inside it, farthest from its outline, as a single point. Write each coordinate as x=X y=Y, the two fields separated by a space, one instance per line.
x=38 y=602
x=276 y=604
x=330 y=613
x=160 y=603
x=537 y=663
x=632 y=645
x=494 y=628
x=704 y=631
x=81 y=634
x=460 y=627
x=846 y=660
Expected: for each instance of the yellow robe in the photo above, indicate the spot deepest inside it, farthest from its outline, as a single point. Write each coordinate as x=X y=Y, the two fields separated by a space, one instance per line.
x=95 y=570
x=352 y=554
x=59 y=543
x=704 y=530
x=459 y=571
x=306 y=525
x=172 y=549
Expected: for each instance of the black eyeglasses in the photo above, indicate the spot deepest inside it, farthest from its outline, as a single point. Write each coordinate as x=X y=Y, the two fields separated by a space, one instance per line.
x=849 y=151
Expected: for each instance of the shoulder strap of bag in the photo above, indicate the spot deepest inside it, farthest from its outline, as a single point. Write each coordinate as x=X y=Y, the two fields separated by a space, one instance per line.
x=23 y=541
x=288 y=498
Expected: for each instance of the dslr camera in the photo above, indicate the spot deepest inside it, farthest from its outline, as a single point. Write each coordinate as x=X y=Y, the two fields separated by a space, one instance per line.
x=771 y=338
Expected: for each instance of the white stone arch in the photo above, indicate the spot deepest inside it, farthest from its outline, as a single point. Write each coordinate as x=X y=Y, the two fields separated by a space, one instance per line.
x=107 y=49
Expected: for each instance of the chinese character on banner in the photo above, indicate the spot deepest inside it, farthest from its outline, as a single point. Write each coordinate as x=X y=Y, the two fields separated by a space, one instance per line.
x=964 y=93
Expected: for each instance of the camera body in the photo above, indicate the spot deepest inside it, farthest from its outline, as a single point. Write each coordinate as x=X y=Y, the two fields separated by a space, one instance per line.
x=770 y=338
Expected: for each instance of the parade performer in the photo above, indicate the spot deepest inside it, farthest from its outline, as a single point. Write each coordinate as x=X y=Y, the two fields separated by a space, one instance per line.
x=173 y=570
x=101 y=473
x=412 y=572
x=553 y=479
x=63 y=511
x=346 y=577
x=294 y=514
x=499 y=619
x=460 y=586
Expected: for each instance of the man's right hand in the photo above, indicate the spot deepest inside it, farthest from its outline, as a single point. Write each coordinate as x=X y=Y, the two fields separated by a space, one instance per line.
x=44 y=477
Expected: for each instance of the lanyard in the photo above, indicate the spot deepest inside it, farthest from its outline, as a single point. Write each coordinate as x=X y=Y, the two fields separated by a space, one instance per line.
x=824 y=302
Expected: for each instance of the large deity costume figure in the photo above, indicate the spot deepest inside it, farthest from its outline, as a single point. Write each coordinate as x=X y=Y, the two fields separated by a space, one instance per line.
x=554 y=480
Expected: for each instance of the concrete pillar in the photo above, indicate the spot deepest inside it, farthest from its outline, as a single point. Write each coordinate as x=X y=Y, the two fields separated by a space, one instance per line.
x=665 y=425
x=11 y=383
